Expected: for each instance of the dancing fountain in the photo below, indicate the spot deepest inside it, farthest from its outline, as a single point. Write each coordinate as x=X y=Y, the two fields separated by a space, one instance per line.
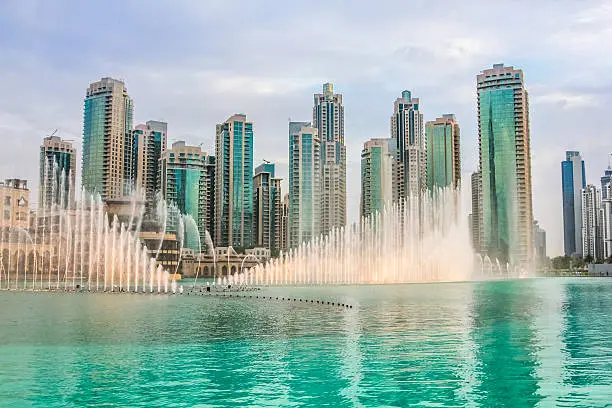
x=415 y=241
x=78 y=247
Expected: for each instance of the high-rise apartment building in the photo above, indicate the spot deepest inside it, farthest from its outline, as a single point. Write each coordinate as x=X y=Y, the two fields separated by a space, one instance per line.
x=476 y=215
x=57 y=173
x=149 y=141
x=107 y=167
x=539 y=243
x=606 y=222
x=377 y=159
x=267 y=207
x=284 y=233
x=605 y=180
x=234 y=183
x=407 y=131
x=505 y=165
x=304 y=183
x=187 y=180
x=443 y=152
x=592 y=242
x=328 y=119
x=573 y=181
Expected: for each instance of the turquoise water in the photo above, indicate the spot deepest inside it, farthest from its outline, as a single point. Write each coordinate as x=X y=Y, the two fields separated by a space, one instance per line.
x=522 y=343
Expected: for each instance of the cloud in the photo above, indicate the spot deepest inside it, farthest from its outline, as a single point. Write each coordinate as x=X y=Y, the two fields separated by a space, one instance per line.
x=194 y=63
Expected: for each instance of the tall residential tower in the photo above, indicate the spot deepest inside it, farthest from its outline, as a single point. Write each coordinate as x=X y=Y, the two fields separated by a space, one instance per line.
x=107 y=167
x=234 y=183
x=505 y=164
x=149 y=145
x=443 y=152
x=304 y=183
x=57 y=173
x=267 y=207
x=377 y=159
x=328 y=119
x=187 y=177
x=573 y=180
x=407 y=131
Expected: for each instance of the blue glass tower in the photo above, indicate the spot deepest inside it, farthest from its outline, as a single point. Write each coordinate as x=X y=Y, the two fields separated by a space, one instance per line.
x=234 y=183
x=573 y=180
x=187 y=176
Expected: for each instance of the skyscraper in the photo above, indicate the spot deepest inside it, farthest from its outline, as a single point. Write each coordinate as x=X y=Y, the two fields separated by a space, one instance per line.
x=407 y=131
x=57 y=173
x=505 y=165
x=476 y=216
x=539 y=243
x=107 y=139
x=605 y=180
x=443 y=152
x=285 y=223
x=377 y=159
x=592 y=242
x=187 y=180
x=573 y=180
x=304 y=183
x=149 y=144
x=267 y=207
x=234 y=183
x=328 y=119
x=606 y=222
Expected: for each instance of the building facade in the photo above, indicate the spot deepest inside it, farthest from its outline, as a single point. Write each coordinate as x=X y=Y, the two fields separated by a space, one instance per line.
x=539 y=243
x=606 y=222
x=505 y=165
x=304 y=183
x=107 y=167
x=476 y=215
x=407 y=132
x=15 y=204
x=268 y=209
x=234 y=183
x=573 y=181
x=605 y=180
x=328 y=119
x=57 y=173
x=187 y=181
x=592 y=242
x=443 y=153
x=377 y=159
x=285 y=223
x=149 y=141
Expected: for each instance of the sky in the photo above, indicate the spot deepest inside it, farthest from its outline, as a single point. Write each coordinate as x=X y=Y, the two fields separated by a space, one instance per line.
x=194 y=63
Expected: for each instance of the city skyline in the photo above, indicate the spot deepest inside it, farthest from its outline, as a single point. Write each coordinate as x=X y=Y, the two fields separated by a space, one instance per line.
x=177 y=91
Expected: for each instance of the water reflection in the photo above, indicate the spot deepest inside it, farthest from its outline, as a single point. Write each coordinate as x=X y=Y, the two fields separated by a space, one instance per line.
x=520 y=343
x=506 y=345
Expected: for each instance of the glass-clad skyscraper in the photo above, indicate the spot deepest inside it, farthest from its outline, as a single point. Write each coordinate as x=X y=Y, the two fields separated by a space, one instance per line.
x=267 y=206
x=187 y=182
x=407 y=132
x=505 y=163
x=304 y=183
x=443 y=152
x=107 y=139
x=328 y=119
x=377 y=159
x=573 y=180
x=57 y=173
x=149 y=143
x=234 y=183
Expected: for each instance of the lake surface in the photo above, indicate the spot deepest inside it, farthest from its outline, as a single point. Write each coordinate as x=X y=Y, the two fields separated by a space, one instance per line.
x=520 y=343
